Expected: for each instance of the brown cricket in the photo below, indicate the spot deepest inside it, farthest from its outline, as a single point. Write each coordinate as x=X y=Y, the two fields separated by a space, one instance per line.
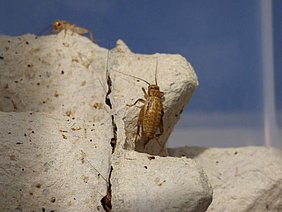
x=59 y=25
x=151 y=113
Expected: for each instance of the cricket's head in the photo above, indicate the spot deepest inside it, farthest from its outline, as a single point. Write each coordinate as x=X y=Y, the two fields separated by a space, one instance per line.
x=58 y=25
x=154 y=90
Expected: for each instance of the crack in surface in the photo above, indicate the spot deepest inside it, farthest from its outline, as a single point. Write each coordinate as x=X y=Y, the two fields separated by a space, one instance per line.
x=106 y=200
x=108 y=102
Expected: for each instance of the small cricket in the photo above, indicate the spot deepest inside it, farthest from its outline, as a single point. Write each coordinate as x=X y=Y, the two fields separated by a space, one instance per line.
x=151 y=113
x=59 y=25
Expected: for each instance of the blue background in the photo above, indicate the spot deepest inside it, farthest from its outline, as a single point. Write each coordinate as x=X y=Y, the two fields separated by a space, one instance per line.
x=277 y=29
x=222 y=40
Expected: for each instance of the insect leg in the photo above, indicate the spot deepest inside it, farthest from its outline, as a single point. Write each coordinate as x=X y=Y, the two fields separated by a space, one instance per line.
x=146 y=142
x=161 y=126
x=138 y=100
x=145 y=93
x=162 y=146
x=73 y=29
x=91 y=36
x=65 y=32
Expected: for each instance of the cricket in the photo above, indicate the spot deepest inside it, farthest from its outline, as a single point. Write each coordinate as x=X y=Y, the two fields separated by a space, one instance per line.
x=151 y=113
x=59 y=25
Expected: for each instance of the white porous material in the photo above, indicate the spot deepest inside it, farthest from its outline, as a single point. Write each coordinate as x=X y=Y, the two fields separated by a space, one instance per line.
x=244 y=179
x=175 y=77
x=143 y=182
x=53 y=73
x=50 y=162
x=66 y=134
x=55 y=130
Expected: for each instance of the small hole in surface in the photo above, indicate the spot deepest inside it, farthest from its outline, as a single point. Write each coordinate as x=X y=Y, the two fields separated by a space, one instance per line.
x=53 y=199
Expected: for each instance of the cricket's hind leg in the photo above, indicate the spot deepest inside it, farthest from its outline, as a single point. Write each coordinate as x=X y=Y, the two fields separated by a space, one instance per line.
x=163 y=151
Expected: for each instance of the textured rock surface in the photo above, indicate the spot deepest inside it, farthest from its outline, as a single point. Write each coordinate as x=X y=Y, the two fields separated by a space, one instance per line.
x=51 y=144
x=52 y=162
x=243 y=179
x=147 y=183
x=61 y=117
x=53 y=73
x=175 y=77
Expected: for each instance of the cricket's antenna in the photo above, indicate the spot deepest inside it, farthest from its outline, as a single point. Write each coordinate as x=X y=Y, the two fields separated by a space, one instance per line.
x=47 y=30
x=157 y=62
x=133 y=77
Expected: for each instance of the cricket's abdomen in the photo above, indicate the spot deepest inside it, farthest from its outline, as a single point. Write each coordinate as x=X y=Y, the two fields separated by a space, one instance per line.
x=152 y=117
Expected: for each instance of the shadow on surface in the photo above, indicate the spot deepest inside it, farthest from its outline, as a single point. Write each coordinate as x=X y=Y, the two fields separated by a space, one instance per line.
x=187 y=151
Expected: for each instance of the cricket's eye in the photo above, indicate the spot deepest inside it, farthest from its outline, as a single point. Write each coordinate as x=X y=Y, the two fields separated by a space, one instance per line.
x=57 y=25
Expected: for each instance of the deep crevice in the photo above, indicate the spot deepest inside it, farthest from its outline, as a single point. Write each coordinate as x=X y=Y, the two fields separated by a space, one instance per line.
x=109 y=82
x=106 y=200
x=108 y=102
x=114 y=139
